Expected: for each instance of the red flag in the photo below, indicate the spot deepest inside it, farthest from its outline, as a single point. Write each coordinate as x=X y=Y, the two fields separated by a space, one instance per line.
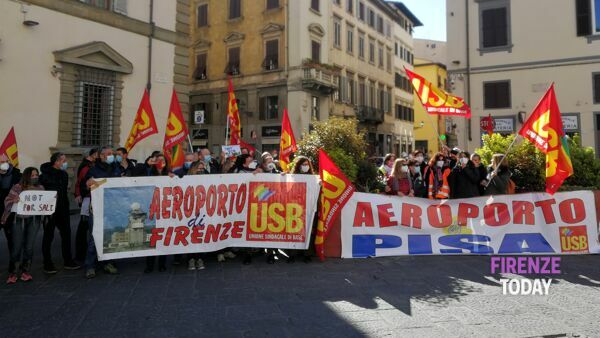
x=287 y=145
x=144 y=123
x=336 y=191
x=435 y=100
x=544 y=129
x=233 y=117
x=9 y=147
x=175 y=134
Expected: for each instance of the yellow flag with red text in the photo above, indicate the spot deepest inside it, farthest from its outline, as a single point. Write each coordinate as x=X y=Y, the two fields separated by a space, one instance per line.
x=335 y=193
x=435 y=100
x=175 y=134
x=144 y=124
x=287 y=145
x=9 y=148
x=544 y=129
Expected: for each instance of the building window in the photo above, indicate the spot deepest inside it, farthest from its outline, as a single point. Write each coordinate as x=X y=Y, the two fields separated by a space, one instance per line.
x=371 y=52
x=314 y=5
x=315 y=108
x=350 y=42
x=105 y=4
x=371 y=17
x=272 y=4
x=372 y=94
x=389 y=61
x=233 y=64
x=235 y=9
x=361 y=46
x=94 y=108
x=350 y=6
x=316 y=52
x=202 y=15
x=351 y=89
x=382 y=99
x=271 y=55
x=380 y=57
x=361 y=11
x=496 y=95
x=380 y=24
x=200 y=72
x=494 y=24
x=596 y=87
x=588 y=17
x=362 y=92
x=269 y=108
x=337 y=33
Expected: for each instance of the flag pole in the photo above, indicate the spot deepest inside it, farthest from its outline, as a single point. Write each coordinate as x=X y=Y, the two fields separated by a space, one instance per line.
x=502 y=160
x=190 y=141
x=436 y=127
x=227 y=131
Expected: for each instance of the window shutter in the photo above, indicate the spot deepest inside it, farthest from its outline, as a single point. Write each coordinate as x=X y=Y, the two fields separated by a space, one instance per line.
x=120 y=6
x=597 y=89
x=584 y=17
x=262 y=107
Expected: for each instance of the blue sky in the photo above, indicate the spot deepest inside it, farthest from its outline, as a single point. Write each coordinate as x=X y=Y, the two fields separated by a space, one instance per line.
x=432 y=14
x=117 y=204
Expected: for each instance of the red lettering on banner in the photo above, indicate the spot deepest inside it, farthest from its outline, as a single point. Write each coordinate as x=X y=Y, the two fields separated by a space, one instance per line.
x=466 y=211
x=441 y=221
x=411 y=215
x=168 y=236
x=177 y=201
x=155 y=205
x=156 y=236
x=166 y=202
x=188 y=202
x=238 y=229
x=181 y=234
x=523 y=212
x=241 y=199
x=363 y=215
x=212 y=233
x=232 y=191
x=196 y=237
x=222 y=200
x=200 y=199
x=225 y=232
x=211 y=200
x=490 y=211
x=572 y=210
x=385 y=215
x=546 y=206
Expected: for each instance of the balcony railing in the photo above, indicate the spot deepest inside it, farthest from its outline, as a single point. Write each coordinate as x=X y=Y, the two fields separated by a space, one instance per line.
x=366 y=114
x=318 y=79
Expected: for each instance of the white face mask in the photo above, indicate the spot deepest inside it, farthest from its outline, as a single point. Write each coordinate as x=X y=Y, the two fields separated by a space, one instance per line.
x=404 y=169
x=4 y=166
x=440 y=163
x=464 y=160
x=271 y=166
x=252 y=165
x=305 y=168
x=420 y=159
x=417 y=170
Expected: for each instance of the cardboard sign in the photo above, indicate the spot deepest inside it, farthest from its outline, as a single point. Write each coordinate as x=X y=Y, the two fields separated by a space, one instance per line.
x=232 y=151
x=36 y=202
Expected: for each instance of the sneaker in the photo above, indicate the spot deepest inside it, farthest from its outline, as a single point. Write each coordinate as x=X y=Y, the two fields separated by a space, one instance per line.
x=192 y=264
x=26 y=277
x=220 y=258
x=110 y=269
x=229 y=255
x=50 y=269
x=12 y=279
x=199 y=264
x=72 y=266
x=90 y=273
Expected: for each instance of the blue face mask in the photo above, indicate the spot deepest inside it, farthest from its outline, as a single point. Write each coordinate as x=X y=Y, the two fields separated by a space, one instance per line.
x=64 y=166
x=187 y=165
x=207 y=158
x=110 y=159
x=119 y=158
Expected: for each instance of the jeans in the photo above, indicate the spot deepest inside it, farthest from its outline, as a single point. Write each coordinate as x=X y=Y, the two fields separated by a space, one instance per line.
x=24 y=231
x=60 y=220
x=81 y=238
x=91 y=254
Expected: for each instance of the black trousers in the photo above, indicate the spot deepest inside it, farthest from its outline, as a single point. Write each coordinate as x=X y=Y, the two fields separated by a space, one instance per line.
x=81 y=238
x=61 y=221
x=7 y=233
x=150 y=260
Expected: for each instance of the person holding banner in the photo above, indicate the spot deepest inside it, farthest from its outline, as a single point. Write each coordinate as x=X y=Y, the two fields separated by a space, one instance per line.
x=81 y=236
x=398 y=183
x=268 y=164
x=24 y=229
x=464 y=178
x=244 y=164
x=125 y=165
x=436 y=176
x=303 y=166
x=160 y=168
x=481 y=172
x=190 y=158
x=211 y=165
x=9 y=176
x=499 y=176
x=414 y=174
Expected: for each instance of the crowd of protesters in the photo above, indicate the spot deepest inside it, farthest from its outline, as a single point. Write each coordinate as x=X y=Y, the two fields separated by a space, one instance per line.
x=449 y=174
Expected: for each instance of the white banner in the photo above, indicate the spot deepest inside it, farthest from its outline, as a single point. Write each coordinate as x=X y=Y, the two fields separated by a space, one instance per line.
x=36 y=202
x=149 y=216
x=538 y=223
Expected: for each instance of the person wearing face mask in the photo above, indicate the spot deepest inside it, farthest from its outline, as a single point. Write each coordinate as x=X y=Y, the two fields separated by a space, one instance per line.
x=481 y=171
x=160 y=168
x=464 y=178
x=211 y=164
x=24 y=229
x=388 y=162
x=499 y=176
x=268 y=165
x=55 y=178
x=125 y=165
x=419 y=157
x=244 y=163
x=399 y=183
x=195 y=260
x=303 y=166
x=9 y=176
x=83 y=201
x=436 y=178
x=418 y=185
x=190 y=158
x=105 y=167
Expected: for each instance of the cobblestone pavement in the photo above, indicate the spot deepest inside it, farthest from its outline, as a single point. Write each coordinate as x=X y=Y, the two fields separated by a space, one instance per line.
x=436 y=296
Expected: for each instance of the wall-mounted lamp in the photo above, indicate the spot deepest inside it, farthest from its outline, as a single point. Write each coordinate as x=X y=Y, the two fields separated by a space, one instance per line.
x=30 y=23
x=421 y=125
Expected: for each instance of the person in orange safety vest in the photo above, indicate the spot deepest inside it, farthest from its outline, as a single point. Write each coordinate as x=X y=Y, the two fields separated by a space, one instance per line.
x=436 y=175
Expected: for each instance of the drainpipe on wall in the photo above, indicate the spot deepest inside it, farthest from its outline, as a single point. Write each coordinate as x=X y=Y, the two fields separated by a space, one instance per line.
x=150 y=36
x=468 y=98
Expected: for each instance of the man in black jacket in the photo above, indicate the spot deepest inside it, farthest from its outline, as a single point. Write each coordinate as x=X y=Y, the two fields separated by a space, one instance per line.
x=9 y=176
x=54 y=177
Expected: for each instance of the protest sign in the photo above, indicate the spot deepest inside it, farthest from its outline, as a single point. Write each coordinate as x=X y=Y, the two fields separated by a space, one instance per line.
x=150 y=216
x=36 y=202
x=535 y=223
x=231 y=151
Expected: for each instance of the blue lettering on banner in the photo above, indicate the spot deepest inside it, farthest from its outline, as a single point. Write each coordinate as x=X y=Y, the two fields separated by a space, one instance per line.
x=525 y=243
x=419 y=245
x=366 y=245
x=456 y=241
